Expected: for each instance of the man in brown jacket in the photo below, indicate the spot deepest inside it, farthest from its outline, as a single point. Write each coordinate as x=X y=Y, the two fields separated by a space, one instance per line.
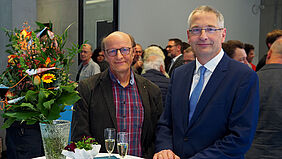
x=120 y=99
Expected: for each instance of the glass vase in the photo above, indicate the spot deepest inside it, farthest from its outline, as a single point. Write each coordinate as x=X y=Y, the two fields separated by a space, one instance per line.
x=55 y=138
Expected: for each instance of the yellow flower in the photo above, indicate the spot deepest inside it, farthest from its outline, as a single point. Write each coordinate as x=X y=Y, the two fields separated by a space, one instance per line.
x=48 y=78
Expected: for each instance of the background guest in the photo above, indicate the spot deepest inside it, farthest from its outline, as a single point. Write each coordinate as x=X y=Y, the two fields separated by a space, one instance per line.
x=155 y=69
x=87 y=66
x=235 y=50
x=174 y=48
x=188 y=55
x=250 y=51
x=270 y=38
x=267 y=141
x=99 y=57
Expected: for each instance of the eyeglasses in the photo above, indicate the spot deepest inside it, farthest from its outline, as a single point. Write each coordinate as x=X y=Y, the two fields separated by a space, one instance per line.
x=123 y=51
x=138 y=52
x=209 y=30
x=170 y=46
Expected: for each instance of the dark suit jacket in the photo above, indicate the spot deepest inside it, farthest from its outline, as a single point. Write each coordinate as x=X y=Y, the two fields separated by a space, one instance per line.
x=224 y=120
x=179 y=61
x=95 y=111
x=268 y=140
x=159 y=79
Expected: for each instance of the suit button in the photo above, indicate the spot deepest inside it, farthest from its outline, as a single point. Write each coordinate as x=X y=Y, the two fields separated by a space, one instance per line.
x=186 y=139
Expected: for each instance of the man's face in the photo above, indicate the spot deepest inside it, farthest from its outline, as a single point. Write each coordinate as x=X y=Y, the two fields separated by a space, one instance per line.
x=206 y=45
x=119 y=63
x=251 y=56
x=86 y=53
x=172 y=49
x=138 y=52
x=240 y=55
x=100 y=57
x=188 y=57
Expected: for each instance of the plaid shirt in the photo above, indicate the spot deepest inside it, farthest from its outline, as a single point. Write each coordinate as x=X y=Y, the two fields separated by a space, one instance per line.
x=129 y=112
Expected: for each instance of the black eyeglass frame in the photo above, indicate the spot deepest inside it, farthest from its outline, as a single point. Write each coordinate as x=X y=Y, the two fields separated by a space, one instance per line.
x=116 y=51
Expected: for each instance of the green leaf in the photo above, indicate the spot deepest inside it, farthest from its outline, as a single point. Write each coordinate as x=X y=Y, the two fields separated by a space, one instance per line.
x=48 y=104
x=28 y=105
x=68 y=99
x=8 y=123
x=54 y=113
x=31 y=96
x=30 y=122
x=21 y=115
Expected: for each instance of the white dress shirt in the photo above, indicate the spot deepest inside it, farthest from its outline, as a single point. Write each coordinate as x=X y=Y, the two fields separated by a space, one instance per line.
x=210 y=66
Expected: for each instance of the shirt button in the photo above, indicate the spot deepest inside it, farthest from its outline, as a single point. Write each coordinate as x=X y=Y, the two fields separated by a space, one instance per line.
x=186 y=139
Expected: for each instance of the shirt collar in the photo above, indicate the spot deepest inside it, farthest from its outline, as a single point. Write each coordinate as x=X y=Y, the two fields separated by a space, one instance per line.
x=114 y=79
x=176 y=57
x=211 y=65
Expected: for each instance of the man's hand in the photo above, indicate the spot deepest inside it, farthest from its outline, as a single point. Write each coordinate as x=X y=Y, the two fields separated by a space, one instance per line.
x=165 y=154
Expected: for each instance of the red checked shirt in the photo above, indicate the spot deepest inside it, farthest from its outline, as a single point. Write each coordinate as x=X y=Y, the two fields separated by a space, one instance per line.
x=129 y=112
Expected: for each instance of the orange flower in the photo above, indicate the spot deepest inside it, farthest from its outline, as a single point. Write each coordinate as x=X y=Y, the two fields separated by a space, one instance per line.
x=11 y=59
x=10 y=94
x=36 y=80
x=25 y=34
x=48 y=78
x=48 y=60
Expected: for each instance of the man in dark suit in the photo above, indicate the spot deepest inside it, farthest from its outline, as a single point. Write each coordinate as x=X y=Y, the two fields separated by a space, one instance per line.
x=120 y=99
x=174 y=49
x=267 y=141
x=212 y=104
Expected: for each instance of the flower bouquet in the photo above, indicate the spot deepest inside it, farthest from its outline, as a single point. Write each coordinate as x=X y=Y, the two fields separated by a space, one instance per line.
x=37 y=84
x=37 y=76
x=87 y=148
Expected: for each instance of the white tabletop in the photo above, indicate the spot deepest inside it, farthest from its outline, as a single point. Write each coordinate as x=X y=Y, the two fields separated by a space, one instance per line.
x=102 y=155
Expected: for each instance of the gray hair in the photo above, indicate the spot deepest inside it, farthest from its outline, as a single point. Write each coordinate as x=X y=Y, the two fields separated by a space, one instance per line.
x=153 y=61
x=200 y=9
x=153 y=50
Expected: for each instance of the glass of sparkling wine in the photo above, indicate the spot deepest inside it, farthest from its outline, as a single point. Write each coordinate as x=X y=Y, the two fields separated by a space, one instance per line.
x=110 y=136
x=122 y=143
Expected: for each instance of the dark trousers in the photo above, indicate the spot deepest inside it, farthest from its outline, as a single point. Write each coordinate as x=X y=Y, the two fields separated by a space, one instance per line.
x=24 y=143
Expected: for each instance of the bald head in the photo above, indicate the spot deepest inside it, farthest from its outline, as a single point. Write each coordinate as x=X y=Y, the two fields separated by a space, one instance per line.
x=276 y=47
x=117 y=35
x=274 y=54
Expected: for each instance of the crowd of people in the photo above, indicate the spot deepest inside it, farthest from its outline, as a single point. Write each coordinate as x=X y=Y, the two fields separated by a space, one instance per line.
x=198 y=100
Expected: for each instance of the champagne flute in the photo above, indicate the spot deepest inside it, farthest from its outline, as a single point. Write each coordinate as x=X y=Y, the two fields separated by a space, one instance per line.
x=110 y=135
x=122 y=143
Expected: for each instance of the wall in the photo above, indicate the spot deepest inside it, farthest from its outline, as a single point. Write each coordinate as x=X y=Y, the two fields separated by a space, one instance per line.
x=155 y=21
x=270 y=19
x=61 y=13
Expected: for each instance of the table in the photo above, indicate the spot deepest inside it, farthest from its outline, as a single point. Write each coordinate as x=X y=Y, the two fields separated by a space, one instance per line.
x=102 y=155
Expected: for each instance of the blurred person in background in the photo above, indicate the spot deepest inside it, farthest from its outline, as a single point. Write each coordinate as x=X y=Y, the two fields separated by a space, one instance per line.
x=235 y=50
x=99 y=57
x=250 y=51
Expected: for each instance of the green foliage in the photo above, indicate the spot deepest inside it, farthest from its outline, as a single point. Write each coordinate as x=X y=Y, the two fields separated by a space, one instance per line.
x=85 y=143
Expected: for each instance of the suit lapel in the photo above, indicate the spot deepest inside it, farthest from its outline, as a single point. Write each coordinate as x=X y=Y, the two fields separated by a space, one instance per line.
x=176 y=63
x=107 y=92
x=188 y=77
x=214 y=82
x=145 y=102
